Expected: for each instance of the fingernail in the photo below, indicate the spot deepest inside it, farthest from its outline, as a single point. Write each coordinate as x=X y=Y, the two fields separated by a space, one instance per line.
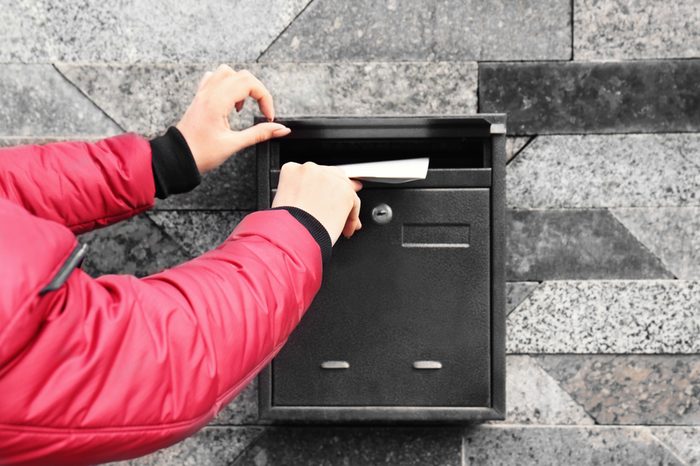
x=281 y=132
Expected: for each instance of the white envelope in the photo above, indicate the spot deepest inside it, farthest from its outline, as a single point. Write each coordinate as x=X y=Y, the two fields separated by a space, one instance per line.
x=389 y=171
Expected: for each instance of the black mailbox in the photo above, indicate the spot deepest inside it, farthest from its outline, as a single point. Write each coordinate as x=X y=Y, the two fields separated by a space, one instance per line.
x=409 y=324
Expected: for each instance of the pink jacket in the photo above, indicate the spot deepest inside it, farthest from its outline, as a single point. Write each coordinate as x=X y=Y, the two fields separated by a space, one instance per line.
x=116 y=367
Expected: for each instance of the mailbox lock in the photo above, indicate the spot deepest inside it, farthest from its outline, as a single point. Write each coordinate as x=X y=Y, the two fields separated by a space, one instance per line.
x=382 y=214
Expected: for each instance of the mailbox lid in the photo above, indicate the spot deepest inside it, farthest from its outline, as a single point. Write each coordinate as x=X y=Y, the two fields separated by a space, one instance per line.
x=398 y=300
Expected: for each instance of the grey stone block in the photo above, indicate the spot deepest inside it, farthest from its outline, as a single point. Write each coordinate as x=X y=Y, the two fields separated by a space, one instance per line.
x=619 y=316
x=212 y=446
x=142 y=31
x=197 y=232
x=135 y=246
x=355 y=446
x=608 y=97
x=534 y=397
x=673 y=234
x=448 y=30
x=147 y=99
x=636 y=170
x=243 y=410
x=614 y=29
x=517 y=292
x=512 y=445
x=631 y=389
x=37 y=102
x=575 y=244
x=683 y=441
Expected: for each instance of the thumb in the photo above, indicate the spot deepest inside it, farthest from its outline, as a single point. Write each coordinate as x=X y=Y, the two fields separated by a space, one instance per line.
x=257 y=134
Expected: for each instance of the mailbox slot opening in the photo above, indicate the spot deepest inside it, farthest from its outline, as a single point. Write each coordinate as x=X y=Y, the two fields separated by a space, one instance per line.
x=444 y=153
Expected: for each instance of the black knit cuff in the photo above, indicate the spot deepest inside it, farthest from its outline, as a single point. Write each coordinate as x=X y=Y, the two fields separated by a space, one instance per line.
x=317 y=230
x=174 y=168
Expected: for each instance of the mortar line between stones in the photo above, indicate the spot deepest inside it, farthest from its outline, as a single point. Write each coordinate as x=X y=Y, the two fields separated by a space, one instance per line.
x=274 y=41
x=571 y=18
x=75 y=86
x=263 y=431
x=167 y=235
x=668 y=448
x=559 y=384
x=515 y=156
x=666 y=266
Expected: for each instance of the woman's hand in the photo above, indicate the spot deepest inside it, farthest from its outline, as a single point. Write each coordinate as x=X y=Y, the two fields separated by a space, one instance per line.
x=205 y=124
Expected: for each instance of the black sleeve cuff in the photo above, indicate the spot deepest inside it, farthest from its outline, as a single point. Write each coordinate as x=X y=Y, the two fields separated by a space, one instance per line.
x=174 y=168
x=317 y=230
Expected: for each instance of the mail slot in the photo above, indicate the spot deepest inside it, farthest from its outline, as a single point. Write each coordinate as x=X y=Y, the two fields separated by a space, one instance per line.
x=409 y=322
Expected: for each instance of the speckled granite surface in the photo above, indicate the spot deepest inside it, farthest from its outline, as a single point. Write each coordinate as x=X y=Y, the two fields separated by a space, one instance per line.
x=617 y=316
x=446 y=30
x=635 y=170
x=590 y=200
x=631 y=389
x=622 y=29
x=598 y=97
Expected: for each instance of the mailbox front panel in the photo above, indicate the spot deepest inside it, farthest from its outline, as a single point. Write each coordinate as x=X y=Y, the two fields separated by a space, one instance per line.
x=409 y=322
x=401 y=299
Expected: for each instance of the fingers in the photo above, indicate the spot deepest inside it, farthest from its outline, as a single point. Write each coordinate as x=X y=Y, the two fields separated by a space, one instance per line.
x=204 y=80
x=353 y=222
x=256 y=134
x=233 y=87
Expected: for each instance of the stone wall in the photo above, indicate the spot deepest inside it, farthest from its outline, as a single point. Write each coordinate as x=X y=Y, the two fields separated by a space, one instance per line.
x=603 y=99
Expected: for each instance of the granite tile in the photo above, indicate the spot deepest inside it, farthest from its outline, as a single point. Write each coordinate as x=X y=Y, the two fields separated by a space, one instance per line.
x=517 y=292
x=243 y=410
x=617 y=316
x=673 y=234
x=631 y=389
x=355 y=446
x=602 y=97
x=147 y=99
x=330 y=30
x=683 y=441
x=212 y=446
x=36 y=101
x=534 y=397
x=617 y=29
x=509 y=445
x=575 y=244
x=135 y=246
x=628 y=170
x=142 y=30
x=514 y=144
x=197 y=231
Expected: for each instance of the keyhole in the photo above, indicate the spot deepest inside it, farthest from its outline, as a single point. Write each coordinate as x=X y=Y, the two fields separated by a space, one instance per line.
x=382 y=214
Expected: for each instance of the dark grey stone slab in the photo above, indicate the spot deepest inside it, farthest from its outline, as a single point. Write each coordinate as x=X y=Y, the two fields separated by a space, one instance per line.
x=243 y=410
x=534 y=397
x=524 y=446
x=683 y=441
x=37 y=102
x=197 y=231
x=612 y=29
x=142 y=30
x=331 y=30
x=575 y=244
x=135 y=246
x=517 y=292
x=622 y=170
x=631 y=389
x=673 y=234
x=614 y=97
x=616 y=316
x=212 y=446
x=355 y=446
